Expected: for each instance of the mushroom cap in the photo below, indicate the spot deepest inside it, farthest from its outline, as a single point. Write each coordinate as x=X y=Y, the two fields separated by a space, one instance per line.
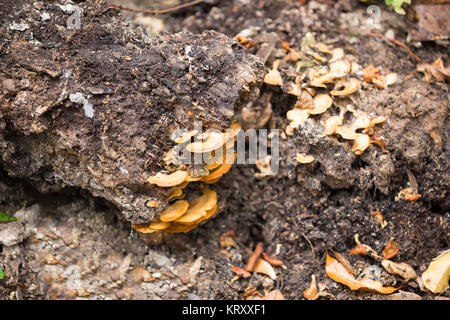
x=361 y=143
x=168 y=180
x=198 y=207
x=350 y=86
x=214 y=141
x=337 y=54
x=273 y=77
x=361 y=122
x=185 y=136
x=331 y=124
x=224 y=168
x=391 y=78
x=302 y=158
x=346 y=132
x=297 y=117
x=152 y=227
x=174 y=193
x=174 y=211
x=294 y=89
x=340 y=68
x=209 y=214
x=321 y=103
x=178 y=228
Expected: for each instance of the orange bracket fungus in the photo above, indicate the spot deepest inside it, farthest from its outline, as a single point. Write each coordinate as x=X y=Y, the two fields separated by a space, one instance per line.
x=168 y=180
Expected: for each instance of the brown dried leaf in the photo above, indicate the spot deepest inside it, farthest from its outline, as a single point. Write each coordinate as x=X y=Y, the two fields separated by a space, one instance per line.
x=391 y=249
x=274 y=295
x=337 y=272
x=240 y=272
x=311 y=292
x=402 y=269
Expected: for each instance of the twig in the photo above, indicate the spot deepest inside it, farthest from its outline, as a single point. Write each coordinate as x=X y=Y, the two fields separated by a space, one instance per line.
x=254 y=257
x=156 y=11
x=401 y=44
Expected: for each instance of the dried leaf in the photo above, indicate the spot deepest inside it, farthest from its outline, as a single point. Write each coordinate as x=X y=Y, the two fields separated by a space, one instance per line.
x=343 y=260
x=264 y=267
x=254 y=257
x=436 y=277
x=337 y=272
x=273 y=261
x=391 y=249
x=402 y=269
x=311 y=292
x=274 y=295
x=240 y=272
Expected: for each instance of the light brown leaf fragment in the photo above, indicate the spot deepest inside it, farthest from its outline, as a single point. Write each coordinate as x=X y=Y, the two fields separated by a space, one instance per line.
x=240 y=272
x=437 y=276
x=337 y=272
x=274 y=295
x=402 y=269
x=264 y=267
x=391 y=249
x=254 y=257
x=343 y=260
x=311 y=292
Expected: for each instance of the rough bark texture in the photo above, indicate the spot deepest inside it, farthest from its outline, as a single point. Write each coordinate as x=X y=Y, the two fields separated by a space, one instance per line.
x=94 y=107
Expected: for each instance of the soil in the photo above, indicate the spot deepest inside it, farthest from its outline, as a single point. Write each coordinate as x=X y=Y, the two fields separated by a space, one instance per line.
x=69 y=244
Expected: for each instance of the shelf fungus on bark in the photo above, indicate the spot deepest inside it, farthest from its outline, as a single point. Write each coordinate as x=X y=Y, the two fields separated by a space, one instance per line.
x=168 y=180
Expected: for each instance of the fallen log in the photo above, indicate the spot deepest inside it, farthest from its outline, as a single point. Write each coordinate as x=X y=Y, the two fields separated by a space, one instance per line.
x=87 y=101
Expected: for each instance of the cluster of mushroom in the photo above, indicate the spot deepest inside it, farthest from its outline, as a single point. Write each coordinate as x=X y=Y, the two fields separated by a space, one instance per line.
x=324 y=79
x=183 y=216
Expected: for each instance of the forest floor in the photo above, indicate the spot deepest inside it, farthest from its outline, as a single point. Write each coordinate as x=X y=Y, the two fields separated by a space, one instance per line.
x=74 y=246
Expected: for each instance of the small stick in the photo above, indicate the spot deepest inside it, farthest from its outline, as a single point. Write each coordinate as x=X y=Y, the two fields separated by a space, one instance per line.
x=254 y=257
x=401 y=44
x=160 y=11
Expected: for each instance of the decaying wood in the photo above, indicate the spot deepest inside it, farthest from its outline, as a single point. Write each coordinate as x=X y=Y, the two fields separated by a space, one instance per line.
x=92 y=105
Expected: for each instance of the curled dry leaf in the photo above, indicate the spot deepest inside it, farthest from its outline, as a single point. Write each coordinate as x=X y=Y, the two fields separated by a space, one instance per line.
x=435 y=70
x=402 y=269
x=343 y=260
x=264 y=267
x=273 y=261
x=311 y=293
x=302 y=158
x=227 y=239
x=391 y=249
x=254 y=257
x=337 y=272
x=370 y=72
x=168 y=180
x=377 y=214
x=363 y=249
x=437 y=276
x=240 y=272
x=274 y=295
